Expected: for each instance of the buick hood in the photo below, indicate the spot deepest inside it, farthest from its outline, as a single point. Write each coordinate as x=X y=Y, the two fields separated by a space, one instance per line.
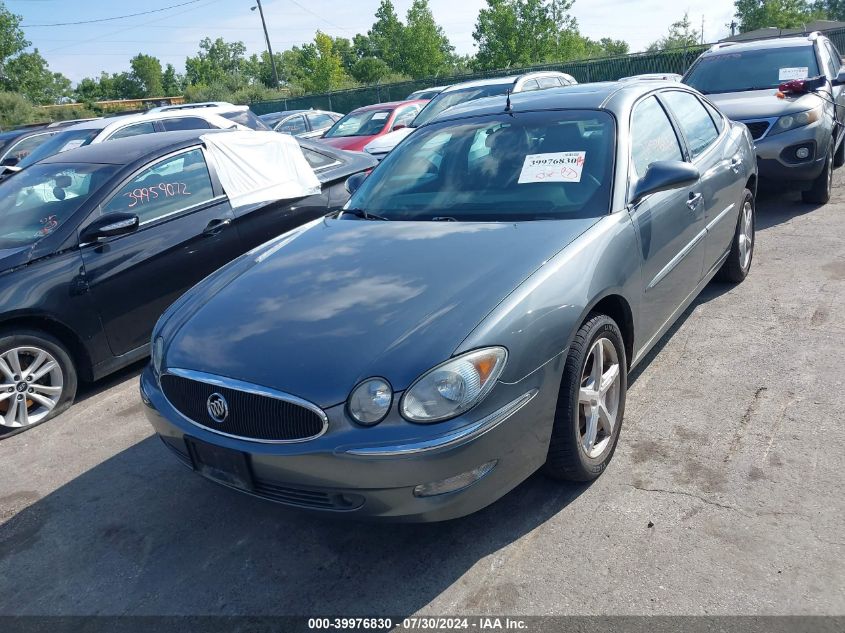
x=386 y=142
x=314 y=314
x=760 y=104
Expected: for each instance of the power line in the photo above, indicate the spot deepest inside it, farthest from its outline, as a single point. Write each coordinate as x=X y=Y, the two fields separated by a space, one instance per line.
x=316 y=15
x=117 y=17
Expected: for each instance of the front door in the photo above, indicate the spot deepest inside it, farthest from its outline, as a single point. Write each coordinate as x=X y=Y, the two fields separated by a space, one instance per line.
x=185 y=233
x=669 y=224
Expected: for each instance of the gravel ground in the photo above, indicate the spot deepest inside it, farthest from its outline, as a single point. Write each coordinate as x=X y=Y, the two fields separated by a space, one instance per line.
x=724 y=497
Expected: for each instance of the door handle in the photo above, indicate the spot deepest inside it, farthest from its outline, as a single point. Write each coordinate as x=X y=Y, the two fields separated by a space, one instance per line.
x=215 y=226
x=695 y=199
x=736 y=164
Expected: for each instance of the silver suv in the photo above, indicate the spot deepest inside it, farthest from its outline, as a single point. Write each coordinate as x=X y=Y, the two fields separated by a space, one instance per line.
x=797 y=135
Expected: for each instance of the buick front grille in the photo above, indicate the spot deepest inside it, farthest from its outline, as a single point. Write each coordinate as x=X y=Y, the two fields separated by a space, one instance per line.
x=241 y=413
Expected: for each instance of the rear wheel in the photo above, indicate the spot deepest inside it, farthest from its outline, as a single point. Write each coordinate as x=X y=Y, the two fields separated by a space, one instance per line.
x=37 y=380
x=839 y=155
x=738 y=263
x=591 y=403
x=820 y=191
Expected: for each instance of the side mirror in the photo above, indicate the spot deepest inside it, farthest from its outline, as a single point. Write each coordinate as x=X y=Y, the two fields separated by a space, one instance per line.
x=664 y=175
x=10 y=161
x=354 y=182
x=840 y=78
x=110 y=225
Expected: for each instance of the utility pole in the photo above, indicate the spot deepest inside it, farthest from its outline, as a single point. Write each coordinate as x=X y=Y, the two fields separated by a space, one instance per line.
x=702 y=28
x=267 y=39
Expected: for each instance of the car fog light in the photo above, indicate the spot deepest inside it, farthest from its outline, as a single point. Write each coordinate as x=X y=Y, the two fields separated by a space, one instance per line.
x=802 y=153
x=453 y=484
x=370 y=401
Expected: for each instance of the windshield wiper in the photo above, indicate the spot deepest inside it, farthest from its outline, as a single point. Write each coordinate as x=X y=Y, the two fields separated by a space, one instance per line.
x=360 y=213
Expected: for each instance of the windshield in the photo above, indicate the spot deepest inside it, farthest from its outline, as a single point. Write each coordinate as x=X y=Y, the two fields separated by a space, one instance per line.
x=752 y=70
x=40 y=199
x=446 y=100
x=360 y=123
x=524 y=166
x=61 y=142
x=246 y=118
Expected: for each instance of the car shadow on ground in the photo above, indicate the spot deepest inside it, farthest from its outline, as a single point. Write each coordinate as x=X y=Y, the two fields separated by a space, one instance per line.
x=775 y=208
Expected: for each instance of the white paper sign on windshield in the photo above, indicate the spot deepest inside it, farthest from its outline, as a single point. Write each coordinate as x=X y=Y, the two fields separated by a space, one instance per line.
x=553 y=167
x=379 y=116
x=787 y=74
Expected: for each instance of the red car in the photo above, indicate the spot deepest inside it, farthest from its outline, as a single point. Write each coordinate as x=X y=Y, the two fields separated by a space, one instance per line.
x=361 y=126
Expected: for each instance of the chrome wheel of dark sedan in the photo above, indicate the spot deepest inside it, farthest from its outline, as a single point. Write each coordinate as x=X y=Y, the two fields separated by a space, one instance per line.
x=598 y=398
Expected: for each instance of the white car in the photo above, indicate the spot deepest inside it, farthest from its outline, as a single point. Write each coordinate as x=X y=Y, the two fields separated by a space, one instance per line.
x=191 y=116
x=469 y=91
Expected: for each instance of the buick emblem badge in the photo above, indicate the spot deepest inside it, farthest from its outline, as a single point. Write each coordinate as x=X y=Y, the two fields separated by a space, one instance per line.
x=217 y=407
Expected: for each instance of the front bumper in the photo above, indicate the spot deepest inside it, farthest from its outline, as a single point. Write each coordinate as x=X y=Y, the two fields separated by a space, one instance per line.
x=371 y=472
x=776 y=160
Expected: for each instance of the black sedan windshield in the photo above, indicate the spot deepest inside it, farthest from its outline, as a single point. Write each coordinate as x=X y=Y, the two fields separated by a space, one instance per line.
x=752 y=70
x=38 y=200
x=525 y=166
x=61 y=142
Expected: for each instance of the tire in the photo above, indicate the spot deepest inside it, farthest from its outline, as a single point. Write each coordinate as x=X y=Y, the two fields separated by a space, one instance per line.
x=736 y=266
x=819 y=192
x=53 y=380
x=839 y=154
x=568 y=456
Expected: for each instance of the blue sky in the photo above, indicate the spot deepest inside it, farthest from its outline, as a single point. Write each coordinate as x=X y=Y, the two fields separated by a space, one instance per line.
x=85 y=50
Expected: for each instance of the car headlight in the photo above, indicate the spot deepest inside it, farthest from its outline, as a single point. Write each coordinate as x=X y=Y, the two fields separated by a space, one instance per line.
x=454 y=386
x=158 y=355
x=370 y=401
x=799 y=119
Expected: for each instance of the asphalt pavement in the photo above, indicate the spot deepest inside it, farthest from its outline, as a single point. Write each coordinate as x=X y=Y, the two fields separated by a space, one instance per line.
x=725 y=495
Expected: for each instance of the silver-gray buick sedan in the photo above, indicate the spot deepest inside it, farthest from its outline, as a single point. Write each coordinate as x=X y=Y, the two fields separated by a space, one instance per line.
x=473 y=313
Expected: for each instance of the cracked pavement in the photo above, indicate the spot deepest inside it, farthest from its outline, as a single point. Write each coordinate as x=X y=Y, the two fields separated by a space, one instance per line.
x=724 y=497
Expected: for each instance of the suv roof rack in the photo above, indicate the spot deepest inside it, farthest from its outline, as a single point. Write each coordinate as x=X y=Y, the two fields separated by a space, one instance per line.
x=192 y=106
x=720 y=45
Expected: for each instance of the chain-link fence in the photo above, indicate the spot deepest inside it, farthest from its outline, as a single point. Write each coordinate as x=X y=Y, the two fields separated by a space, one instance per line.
x=676 y=60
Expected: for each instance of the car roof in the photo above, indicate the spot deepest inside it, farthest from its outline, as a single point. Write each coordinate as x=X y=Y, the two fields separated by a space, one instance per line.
x=576 y=97
x=381 y=106
x=726 y=48
x=125 y=151
x=283 y=113
x=26 y=131
x=509 y=79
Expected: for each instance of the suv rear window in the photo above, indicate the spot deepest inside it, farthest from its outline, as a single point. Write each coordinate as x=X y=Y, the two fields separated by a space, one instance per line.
x=739 y=71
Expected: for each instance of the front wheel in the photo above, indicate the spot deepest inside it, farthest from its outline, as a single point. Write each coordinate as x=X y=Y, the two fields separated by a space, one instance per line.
x=591 y=403
x=736 y=266
x=37 y=380
x=822 y=187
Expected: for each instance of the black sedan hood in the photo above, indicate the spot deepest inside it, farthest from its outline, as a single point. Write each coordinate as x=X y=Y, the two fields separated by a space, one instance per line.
x=13 y=257
x=344 y=300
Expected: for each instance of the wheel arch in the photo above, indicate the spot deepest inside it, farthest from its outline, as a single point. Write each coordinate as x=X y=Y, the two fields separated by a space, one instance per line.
x=65 y=335
x=617 y=308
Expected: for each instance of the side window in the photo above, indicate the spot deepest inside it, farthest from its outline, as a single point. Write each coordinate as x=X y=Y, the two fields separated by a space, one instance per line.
x=319 y=120
x=293 y=126
x=185 y=123
x=549 y=82
x=696 y=124
x=530 y=85
x=316 y=159
x=826 y=61
x=652 y=136
x=133 y=130
x=168 y=186
x=24 y=147
x=405 y=116
x=717 y=117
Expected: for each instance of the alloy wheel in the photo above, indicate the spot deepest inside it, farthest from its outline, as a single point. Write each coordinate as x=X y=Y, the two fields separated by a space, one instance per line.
x=746 y=235
x=599 y=397
x=31 y=384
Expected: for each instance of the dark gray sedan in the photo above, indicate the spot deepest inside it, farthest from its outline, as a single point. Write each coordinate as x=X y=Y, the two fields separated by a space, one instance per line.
x=471 y=316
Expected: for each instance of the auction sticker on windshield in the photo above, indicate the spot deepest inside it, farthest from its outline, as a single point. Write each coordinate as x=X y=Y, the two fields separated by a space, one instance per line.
x=554 y=167
x=787 y=74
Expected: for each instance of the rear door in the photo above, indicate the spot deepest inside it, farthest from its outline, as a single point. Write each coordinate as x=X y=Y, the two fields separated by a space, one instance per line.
x=669 y=224
x=715 y=153
x=295 y=126
x=184 y=235
x=834 y=64
x=319 y=122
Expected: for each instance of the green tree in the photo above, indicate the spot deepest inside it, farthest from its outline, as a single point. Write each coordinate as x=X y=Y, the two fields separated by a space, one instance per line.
x=524 y=32
x=15 y=110
x=146 y=74
x=214 y=61
x=426 y=50
x=369 y=70
x=830 y=9
x=29 y=75
x=756 y=14
x=681 y=35
x=386 y=36
x=326 y=72
x=171 y=82
x=12 y=40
